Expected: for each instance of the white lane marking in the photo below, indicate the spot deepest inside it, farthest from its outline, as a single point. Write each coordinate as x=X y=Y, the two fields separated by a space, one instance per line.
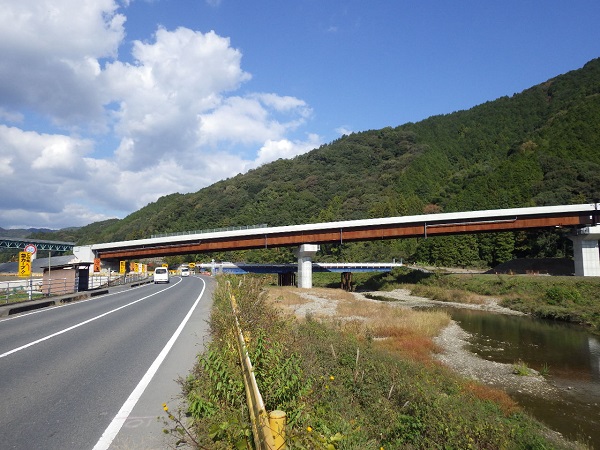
x=78 y=302
x=117 y=423
x=58 y=333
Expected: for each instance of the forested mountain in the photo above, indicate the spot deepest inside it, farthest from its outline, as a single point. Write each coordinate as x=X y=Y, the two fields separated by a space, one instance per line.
x=538 y=147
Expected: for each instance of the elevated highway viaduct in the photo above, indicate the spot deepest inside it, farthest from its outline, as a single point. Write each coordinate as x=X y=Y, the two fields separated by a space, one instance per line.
x=583 y=219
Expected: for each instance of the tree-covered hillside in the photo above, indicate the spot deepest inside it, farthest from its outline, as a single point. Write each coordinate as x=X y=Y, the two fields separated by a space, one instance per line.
x=538 y=147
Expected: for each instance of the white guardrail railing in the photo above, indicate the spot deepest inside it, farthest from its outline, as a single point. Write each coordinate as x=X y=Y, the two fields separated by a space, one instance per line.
x=36 y=288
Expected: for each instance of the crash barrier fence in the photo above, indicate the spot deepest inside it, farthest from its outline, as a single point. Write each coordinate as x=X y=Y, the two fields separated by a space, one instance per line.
x=115 y=279
x=268 y=429
x=33 y=288
x=29 y=288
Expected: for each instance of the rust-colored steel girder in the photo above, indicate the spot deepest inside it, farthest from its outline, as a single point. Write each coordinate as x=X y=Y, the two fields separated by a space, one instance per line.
x=274 y=238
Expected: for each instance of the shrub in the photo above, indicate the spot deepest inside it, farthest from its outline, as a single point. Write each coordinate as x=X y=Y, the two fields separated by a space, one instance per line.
x=562 y=295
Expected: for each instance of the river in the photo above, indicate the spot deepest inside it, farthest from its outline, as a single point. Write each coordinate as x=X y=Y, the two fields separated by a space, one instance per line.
x=567 y=355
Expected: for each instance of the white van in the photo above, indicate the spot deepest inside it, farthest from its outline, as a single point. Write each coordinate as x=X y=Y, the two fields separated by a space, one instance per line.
x=185 y=271
x=161 y=275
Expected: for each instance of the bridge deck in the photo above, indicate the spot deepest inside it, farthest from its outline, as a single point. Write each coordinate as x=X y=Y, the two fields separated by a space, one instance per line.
x=514 y=219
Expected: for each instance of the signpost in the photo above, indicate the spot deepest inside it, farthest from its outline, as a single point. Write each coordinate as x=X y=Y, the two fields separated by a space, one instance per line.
x=24 y=264
x=122 y=267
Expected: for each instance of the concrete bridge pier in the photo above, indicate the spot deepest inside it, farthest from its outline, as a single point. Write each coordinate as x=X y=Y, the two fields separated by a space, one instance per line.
x=304 y=253
x=585 y=251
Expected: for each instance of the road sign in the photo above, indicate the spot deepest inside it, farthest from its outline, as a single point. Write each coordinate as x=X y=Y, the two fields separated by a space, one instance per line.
x=122 y=266
x=97 y=264
x=24 y=264
x=30 y=248
x=192 y=265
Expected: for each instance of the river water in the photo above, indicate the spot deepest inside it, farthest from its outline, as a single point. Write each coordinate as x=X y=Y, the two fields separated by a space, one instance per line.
x=568 y=354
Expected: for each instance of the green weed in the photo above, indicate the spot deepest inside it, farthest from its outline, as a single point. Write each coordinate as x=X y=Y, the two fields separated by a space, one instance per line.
x=343 y=391
x=520 y=368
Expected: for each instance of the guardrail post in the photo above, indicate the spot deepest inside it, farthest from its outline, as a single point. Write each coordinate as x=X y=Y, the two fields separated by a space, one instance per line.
x=277 y=422
x=265 y=432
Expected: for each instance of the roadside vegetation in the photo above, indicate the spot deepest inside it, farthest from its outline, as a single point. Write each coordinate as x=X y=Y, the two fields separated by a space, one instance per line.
x=361 y=378
x=569 y=299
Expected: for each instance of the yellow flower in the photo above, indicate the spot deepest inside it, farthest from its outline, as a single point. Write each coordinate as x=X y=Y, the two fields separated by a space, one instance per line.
x=165 y=407
x=309 y=429
x=331 y=377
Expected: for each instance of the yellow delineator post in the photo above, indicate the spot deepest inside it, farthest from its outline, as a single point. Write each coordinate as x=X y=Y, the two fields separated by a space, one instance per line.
x=263 y=432
x=277 y=420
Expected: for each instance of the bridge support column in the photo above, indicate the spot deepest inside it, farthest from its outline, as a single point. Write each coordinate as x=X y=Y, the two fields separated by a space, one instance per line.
x=304 y=253
x=84 y=253
x=586 y=253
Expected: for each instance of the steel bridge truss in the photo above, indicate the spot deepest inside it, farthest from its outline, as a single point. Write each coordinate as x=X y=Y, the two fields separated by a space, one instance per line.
x=19 y=244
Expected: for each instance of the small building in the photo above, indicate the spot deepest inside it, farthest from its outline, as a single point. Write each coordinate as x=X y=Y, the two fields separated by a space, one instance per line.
x=66 y=279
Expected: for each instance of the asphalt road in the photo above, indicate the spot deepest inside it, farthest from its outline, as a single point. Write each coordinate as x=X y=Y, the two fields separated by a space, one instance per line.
x=94 y=374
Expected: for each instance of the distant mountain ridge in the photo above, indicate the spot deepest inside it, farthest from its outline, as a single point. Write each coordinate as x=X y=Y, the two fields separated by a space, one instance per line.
x=23 y=232
x=538 y=147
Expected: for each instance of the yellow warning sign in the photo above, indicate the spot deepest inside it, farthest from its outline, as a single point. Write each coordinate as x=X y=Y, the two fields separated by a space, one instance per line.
x=24 y=264
x=122 y=266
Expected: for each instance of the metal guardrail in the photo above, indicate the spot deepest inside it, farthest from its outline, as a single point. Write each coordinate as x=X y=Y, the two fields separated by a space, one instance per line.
x=34 y=288
x=37 y=288
x=101 y=281
x=208 y=230
x=268 y=429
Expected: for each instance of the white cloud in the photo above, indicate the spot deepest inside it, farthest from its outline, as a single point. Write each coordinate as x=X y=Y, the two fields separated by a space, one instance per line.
x=100 y=136
x=273 y=150
x=343 y=130
x=49 y=54
x=252 y=119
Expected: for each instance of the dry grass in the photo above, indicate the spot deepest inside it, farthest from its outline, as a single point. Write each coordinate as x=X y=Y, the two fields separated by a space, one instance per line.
x=506 y=403
x=393 y=327
x=286 y=297
x=447 y=295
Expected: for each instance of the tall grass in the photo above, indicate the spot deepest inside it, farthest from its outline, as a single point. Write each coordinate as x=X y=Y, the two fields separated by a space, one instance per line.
x=345 y=386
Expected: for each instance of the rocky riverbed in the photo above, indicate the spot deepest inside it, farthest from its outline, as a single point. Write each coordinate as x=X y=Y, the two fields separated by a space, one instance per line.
x=452 y=341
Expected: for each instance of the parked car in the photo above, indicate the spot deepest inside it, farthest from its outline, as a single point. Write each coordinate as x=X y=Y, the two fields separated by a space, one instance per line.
x=185 y=272
x=161 y=275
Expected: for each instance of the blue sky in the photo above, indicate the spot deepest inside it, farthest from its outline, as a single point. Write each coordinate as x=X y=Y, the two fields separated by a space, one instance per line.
x=106 y=105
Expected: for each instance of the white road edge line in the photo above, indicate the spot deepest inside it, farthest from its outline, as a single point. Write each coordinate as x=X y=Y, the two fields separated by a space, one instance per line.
x=58 y=333
x=117 y=423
